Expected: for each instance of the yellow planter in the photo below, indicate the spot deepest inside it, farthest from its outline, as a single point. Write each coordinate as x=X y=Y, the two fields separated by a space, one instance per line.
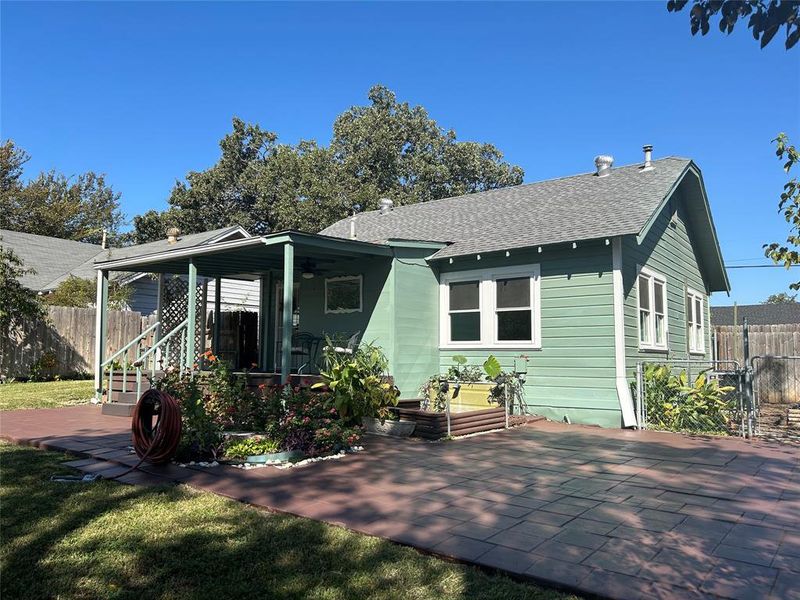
x=471 y=396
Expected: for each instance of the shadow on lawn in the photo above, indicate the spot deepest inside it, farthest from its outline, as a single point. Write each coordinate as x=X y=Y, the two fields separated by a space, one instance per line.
x=659 y=505
x=115 y=541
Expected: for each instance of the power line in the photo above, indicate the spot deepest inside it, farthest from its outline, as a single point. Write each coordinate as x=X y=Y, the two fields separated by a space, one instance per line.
x=754 y=266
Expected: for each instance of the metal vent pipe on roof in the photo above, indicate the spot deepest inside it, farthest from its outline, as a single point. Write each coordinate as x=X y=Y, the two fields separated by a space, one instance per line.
x=604 y=162
x=172 y=235
x=385 y=205
x=648 y=156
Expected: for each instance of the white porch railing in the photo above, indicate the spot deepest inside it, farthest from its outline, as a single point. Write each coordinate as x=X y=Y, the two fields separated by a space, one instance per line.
x=146 y=358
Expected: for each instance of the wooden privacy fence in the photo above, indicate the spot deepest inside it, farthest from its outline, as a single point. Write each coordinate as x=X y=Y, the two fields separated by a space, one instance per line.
x=776 y=378
x=68 y=337
x=773 y=340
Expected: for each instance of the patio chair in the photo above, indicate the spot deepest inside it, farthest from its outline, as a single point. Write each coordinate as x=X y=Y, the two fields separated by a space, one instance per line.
x=350 y=347
x=305 y=346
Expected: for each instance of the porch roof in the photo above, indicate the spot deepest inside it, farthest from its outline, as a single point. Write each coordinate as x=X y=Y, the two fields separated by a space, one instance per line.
x=249 y=257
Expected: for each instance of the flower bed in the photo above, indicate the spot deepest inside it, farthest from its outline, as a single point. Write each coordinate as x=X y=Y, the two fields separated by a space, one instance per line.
x=285 y=419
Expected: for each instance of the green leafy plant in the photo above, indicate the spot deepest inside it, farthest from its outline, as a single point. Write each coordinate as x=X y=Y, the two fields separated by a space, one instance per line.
x=507 y=385
x=254 y=446
x=201 y=435
x=461 y=371
x=42 y=369
x=675 y=403
x=227 y=399
x=492 y=367
x=359 y=384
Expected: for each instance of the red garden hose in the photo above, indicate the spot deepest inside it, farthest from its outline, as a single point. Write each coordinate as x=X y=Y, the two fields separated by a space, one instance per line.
x=155 y=443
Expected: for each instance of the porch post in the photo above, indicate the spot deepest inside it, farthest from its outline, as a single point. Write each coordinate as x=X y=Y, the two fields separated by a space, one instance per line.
x=288 y=297
x=100 y=323
x=217 y=314
x=263 y=323
x=191 y=315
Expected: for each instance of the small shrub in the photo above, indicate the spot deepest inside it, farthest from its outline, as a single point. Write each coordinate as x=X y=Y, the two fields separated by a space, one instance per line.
x=358 y=382
x=42 y=369
x=673 y=403
x=201 y=435
x=242 y=448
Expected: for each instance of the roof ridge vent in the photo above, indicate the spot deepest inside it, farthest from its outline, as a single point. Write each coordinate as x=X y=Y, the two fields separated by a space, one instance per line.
x=604 y=162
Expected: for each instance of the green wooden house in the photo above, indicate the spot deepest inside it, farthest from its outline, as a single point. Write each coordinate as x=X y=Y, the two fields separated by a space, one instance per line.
x=585 y=275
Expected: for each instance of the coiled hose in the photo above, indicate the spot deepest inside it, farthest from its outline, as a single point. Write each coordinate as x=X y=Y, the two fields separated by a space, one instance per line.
x=156 y=442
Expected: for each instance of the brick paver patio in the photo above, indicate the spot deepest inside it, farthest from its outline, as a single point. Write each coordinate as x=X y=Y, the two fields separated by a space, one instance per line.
x=620 y=514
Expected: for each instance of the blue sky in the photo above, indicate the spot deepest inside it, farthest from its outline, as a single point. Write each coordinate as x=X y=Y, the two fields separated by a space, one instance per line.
x=144 y=91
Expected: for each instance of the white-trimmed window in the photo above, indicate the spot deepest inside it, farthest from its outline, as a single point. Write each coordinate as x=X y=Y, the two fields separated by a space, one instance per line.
x=652 y=293
x=492 y=308
x=695 y=329
x=464 y=311
x=343 y=294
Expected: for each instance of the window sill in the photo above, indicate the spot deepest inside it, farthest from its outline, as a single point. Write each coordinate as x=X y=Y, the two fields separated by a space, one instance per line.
x=697 y=352
x=651 y=349
x=492 y=347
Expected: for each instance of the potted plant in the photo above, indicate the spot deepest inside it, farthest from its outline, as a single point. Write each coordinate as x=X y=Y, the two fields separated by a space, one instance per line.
x=361 y=390
x=462 y=384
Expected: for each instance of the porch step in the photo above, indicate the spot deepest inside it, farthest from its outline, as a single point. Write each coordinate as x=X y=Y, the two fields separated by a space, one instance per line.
x=118 y=409
x=128 y=397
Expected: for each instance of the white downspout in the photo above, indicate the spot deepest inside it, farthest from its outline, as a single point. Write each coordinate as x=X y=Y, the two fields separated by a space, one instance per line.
x=623 y=389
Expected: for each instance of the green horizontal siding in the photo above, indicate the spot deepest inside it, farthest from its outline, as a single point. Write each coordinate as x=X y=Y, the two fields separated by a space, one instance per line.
x=573 y=374
x=415 y=320
x=668 y=249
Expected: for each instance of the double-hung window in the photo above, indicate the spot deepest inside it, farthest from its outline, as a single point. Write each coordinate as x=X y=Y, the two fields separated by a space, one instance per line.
x=514 y=310
x=465 y=311
x=694 y=321
x=652 y=292
x=495 y=308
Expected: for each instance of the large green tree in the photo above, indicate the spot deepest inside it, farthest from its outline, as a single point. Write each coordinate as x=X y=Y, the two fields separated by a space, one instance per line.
x=17 y=303
x=76 y=208
x=82 y=293
x=384 y=149
x=765 y=18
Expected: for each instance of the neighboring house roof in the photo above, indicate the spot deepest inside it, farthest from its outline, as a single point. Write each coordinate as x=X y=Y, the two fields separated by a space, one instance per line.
x=55 y=259
x=51 y=258
x=569 y=209
x=757 y=314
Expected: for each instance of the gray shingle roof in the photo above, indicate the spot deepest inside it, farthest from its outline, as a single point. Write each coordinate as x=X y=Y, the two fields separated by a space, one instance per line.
x=757 y=314
x=52 y=258
x=184 y=241
x=55 y=259
x=568 y=209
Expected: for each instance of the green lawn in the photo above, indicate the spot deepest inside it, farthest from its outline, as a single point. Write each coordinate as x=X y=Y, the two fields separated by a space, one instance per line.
x=107 y=540
x=46 y=394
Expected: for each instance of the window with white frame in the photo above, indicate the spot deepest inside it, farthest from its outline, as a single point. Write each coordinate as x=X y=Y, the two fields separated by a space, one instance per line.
x=652 y=292
x=490 y=308
x=343 y=294
x=694 y=321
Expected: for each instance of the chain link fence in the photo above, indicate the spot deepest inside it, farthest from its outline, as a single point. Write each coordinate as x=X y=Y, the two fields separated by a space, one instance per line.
x=698 y=397
x=776 y=397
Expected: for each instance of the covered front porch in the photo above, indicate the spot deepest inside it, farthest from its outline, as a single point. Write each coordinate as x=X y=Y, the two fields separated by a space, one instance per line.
x=311 y=287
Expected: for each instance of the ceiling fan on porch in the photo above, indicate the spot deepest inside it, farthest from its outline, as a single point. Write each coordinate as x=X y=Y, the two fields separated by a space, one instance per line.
x=308 y=269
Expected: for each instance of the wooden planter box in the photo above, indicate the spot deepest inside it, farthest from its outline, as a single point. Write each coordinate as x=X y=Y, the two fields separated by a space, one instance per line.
x=471 y=396
x=793 y=418
x=433 y=425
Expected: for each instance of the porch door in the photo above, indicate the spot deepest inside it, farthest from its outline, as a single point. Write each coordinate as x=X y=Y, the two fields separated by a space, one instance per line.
x=278 y=304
